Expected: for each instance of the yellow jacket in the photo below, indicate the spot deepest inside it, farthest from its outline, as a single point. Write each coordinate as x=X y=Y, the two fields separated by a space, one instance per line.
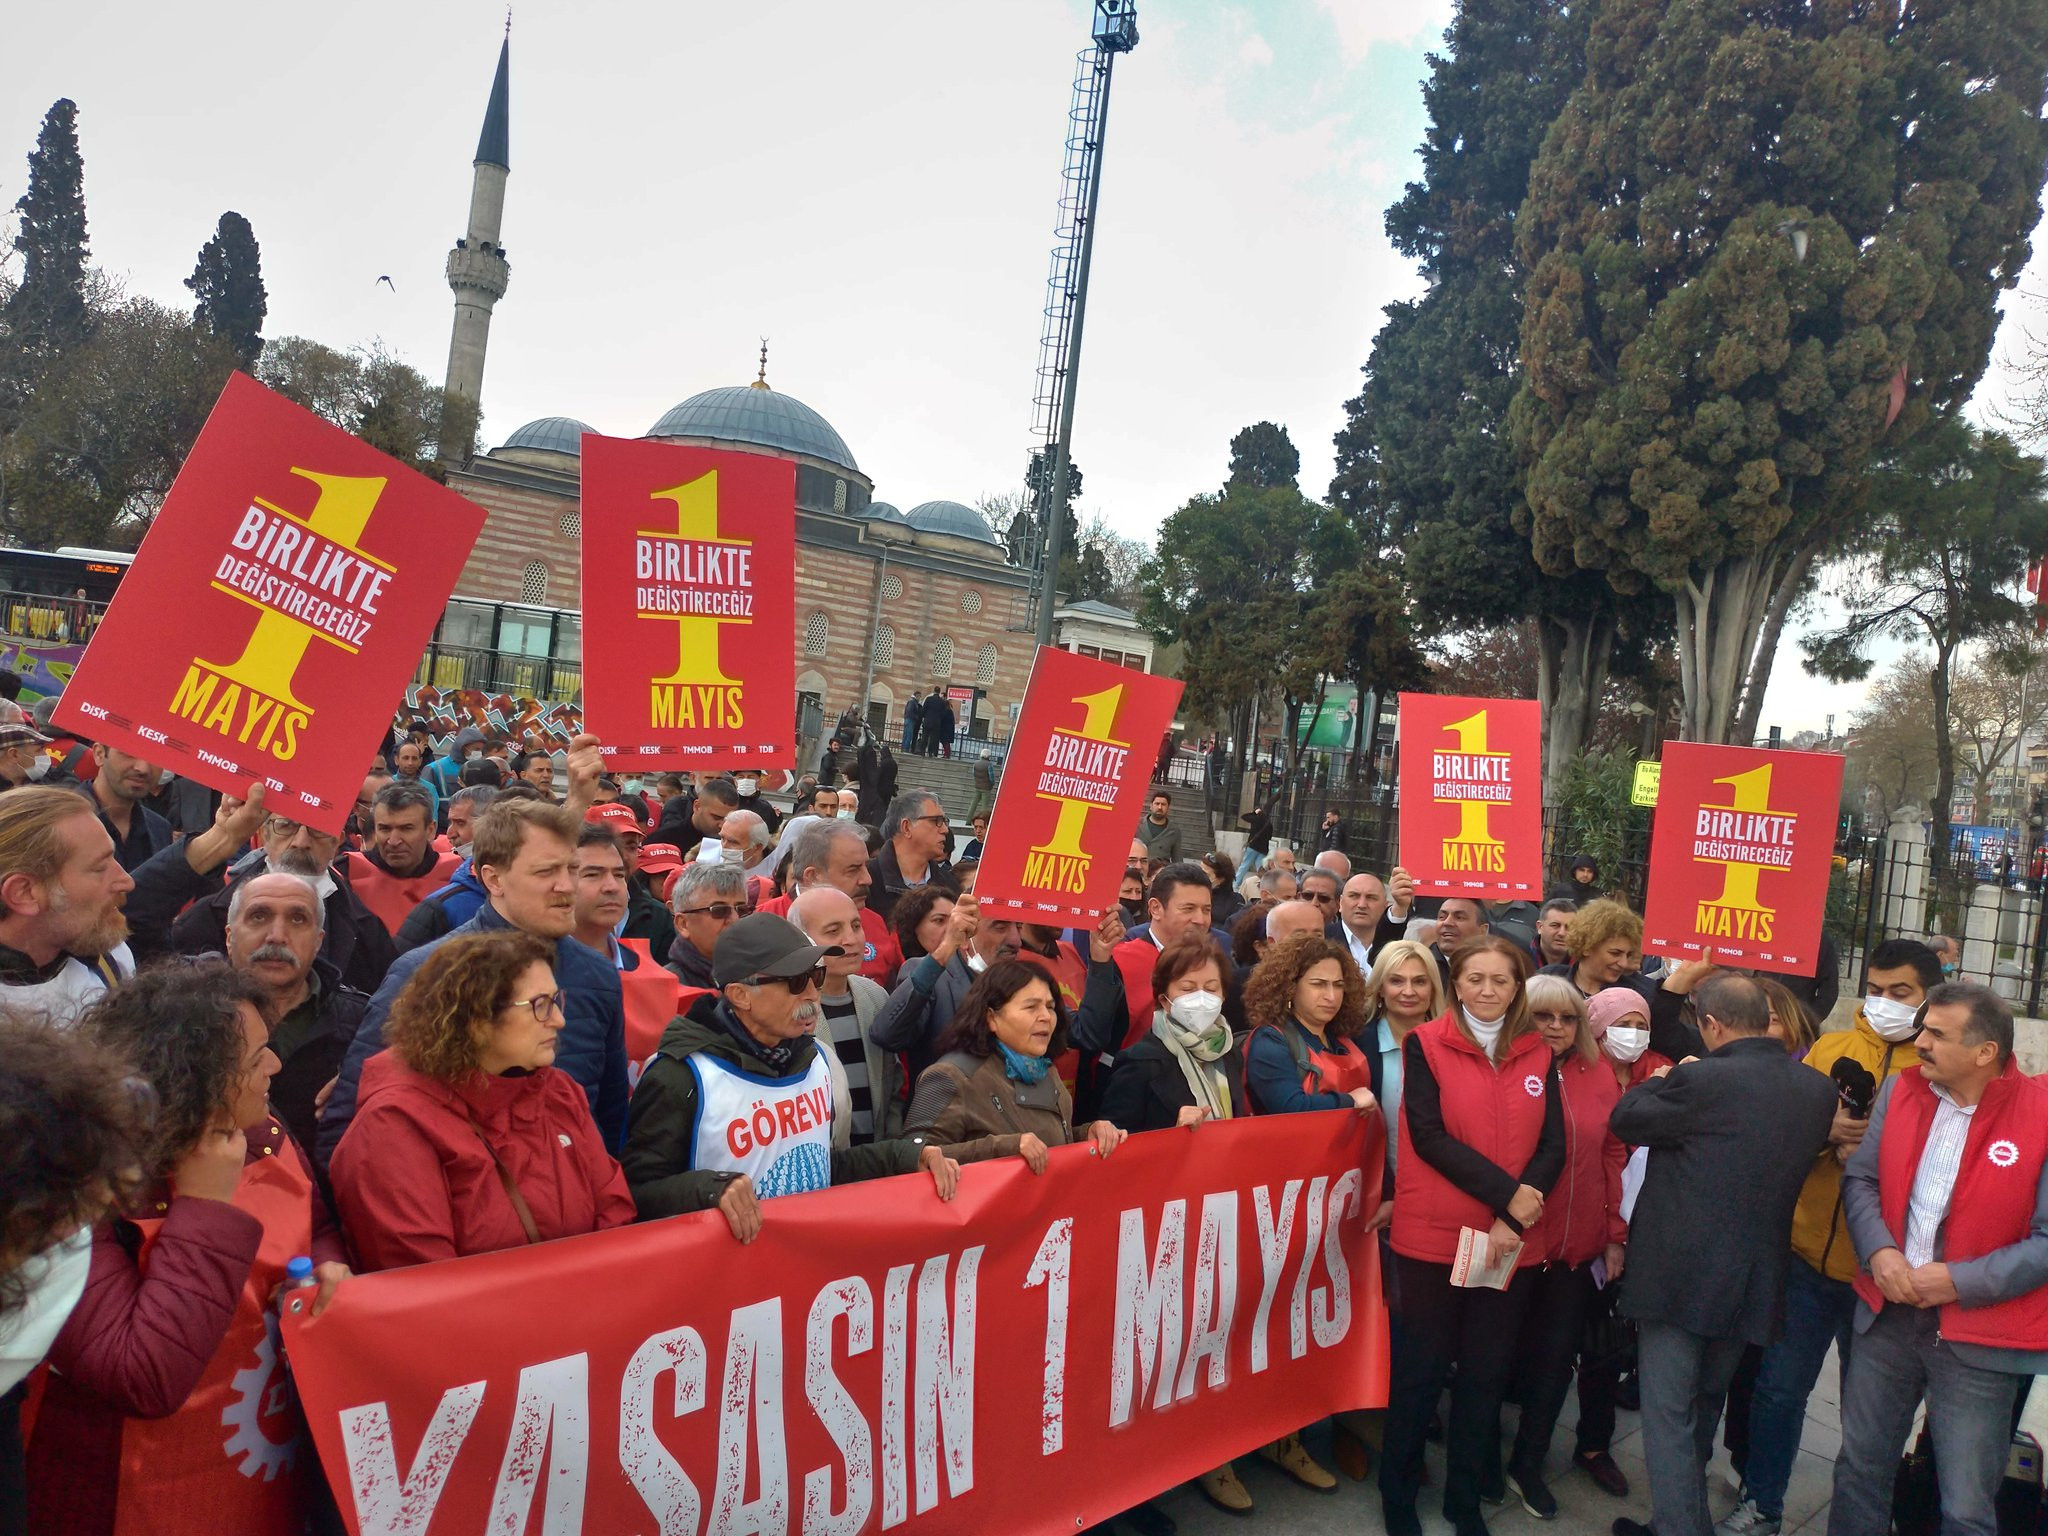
x=1819 y=1234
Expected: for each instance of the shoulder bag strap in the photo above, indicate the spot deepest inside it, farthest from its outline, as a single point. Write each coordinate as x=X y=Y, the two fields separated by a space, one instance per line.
x=519 y=1206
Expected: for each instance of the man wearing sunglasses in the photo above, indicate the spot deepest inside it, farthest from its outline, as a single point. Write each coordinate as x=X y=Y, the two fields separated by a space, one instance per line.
x=738 y=1105
x=913 y=852
x=707 y=900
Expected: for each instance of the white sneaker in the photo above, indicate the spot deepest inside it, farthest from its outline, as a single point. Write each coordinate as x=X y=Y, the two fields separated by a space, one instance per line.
x=1747 y=1520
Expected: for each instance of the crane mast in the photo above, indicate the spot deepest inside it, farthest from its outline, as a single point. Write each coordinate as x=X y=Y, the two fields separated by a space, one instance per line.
x=1115 y=31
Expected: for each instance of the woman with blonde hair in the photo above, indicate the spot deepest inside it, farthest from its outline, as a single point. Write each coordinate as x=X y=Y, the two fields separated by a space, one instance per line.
x=1482 y=1141
x=1579 y=1244
x=467 y=1138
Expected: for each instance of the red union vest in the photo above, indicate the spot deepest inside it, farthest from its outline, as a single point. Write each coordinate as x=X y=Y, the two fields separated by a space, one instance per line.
x=1991 y=1206
x=1069 y=975
x=653 y=996
x=391 y=898
x=235 y=1457
x=1337 y=1067
x=1496 y=1111
x=1135 y=959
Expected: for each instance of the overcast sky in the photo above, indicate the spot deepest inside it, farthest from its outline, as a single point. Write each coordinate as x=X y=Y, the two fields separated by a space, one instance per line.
x=873 y=188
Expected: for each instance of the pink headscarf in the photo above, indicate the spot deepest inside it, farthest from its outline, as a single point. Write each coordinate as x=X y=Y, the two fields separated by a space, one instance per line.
x=1611 y=1005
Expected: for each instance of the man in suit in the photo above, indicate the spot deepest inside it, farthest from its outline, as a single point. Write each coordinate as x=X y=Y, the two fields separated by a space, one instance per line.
x=1731 y=1138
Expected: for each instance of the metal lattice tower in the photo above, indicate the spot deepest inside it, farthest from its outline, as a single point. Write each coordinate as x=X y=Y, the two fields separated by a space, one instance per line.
x=1115 y=31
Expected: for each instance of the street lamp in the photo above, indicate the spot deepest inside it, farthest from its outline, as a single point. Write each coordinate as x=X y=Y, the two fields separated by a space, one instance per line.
x=1795 y=230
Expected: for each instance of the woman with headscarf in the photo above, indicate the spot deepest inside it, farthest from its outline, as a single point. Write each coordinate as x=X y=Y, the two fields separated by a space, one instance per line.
x=1619 y=1021
x=1580 y=1244
x=1482 y=1141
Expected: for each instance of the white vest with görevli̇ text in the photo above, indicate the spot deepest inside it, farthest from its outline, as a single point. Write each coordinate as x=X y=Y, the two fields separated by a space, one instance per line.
x=775 y=1130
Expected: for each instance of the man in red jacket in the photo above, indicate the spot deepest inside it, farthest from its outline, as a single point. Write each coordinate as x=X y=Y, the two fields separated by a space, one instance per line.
x=1947 y=1202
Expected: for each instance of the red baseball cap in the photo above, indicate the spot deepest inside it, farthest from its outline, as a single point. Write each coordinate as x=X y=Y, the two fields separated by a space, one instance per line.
x=618 y=818
x=660 y=858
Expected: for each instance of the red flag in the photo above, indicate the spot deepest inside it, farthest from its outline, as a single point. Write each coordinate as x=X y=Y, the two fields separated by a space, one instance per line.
x=1896 y=402
x=689 y=604
x=1472 y=796
x=1030 y=1358
x=1740 y=855
x=1073 y=787
x=280 y=601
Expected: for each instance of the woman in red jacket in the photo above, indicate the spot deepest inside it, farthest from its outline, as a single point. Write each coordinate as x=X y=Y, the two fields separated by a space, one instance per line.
x=467 y=1138
x=1580 y=1247
x=1482 y=1141
x=175 y=1335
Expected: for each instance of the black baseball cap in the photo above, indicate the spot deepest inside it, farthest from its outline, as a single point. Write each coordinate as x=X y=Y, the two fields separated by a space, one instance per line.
x=765 y=945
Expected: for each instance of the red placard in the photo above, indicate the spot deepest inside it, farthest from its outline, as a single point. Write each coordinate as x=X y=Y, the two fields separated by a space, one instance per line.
x=278 y=604
x=689 y=604
x=1031 y=1358
x=1073 y=788
x=1472 y=796
x=1740 y=853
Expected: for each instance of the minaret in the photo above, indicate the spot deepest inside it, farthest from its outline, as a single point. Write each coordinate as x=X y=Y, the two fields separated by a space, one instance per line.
x=477 y=269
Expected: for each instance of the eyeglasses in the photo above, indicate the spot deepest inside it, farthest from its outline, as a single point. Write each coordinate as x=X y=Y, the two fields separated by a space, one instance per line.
x=798 y=984
x=545 y=1006
x=1554 y=1018
x=719 y=911
x=941 y=820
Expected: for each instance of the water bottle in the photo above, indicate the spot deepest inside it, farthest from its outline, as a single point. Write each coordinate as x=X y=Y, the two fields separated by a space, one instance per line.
x=298 y=1276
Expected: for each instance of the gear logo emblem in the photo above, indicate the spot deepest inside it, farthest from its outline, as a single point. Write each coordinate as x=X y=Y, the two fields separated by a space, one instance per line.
x=1533 y=1086
x=264 y=1400
x=2002 y=1153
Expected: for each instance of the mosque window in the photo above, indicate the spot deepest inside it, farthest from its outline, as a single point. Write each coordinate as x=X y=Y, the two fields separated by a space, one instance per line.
x=815 y=633
x=533 y=583
x=838 y=495
x=985 y=666
x=892 y=588
x=571 y=523
x=885 y=646
x=970 y=601
x=942 y=657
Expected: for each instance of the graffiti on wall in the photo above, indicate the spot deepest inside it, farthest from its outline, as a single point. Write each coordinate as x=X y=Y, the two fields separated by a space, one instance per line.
x=501 y=716
x=44 y=669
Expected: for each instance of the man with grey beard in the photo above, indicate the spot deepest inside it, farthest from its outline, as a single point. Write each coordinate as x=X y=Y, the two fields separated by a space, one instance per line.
x=737 y=1106
x=275 y=927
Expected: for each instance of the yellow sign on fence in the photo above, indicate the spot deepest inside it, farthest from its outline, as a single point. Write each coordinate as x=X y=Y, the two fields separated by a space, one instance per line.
x=1644 y=791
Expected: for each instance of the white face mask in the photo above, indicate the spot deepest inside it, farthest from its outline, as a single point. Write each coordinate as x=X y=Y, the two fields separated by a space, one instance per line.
x=38 y=767
x=1197 y=1010
x=975 y=963
x=631 y=786
x=1625 y=1042
x=1893 y=1020
x=746 y=787
x=843 y=815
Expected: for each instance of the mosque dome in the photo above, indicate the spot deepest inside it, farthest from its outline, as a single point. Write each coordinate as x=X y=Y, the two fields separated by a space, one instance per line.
x=550 y=434
x=883 y=512
x=758 y=417
x=950 y=517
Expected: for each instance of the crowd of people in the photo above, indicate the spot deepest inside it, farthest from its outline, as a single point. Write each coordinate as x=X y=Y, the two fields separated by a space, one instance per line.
x=240 y=1056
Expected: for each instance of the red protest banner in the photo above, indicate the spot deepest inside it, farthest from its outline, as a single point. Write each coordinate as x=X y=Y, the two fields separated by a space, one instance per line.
x=1740 y=854
x=689 y=604
x=1073 y=787
x=1031 y=1358
x=1472 y=796
x=277 y=606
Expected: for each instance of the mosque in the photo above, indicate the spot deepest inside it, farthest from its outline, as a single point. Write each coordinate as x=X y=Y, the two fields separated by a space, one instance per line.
x=888 y=602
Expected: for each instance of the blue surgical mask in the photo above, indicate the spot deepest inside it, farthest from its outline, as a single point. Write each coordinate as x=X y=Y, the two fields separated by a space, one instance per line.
x=1025 y=1069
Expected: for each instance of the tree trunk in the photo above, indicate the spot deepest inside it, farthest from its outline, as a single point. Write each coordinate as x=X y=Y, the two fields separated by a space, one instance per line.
x=1720 y=623
x=1938 y=685
x=1572 y=657
x=1758 y=680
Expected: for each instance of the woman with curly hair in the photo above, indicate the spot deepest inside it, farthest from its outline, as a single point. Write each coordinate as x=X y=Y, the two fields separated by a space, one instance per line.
x=468 y=1138
x=1305 y=1002
x=177 y=1311
x=71 y=1133
x=1482 y=1141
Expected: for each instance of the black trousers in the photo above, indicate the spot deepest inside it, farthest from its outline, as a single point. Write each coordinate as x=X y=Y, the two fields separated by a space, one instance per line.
x=1444 y=1326
x=1560 y=1298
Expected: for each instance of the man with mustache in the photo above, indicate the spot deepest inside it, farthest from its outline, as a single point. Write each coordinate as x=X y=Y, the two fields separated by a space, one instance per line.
x=737 y=1106
x=352 y=940
x=275 y=926
x=524 y=853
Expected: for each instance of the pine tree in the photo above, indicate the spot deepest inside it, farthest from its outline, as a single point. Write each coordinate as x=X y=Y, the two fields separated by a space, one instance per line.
x=46 y=316
x=1263 y=455
x=1747 y=223
x=228 y=285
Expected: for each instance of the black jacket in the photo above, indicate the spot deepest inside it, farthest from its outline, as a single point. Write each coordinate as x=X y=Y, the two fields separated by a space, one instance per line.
x=691 y=966
x=661 y=1125
x=1732 y=1137
x=647 y=918
x=310 y=1043
x=886 y=882
x=1147 y=1089
x=356 y=943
